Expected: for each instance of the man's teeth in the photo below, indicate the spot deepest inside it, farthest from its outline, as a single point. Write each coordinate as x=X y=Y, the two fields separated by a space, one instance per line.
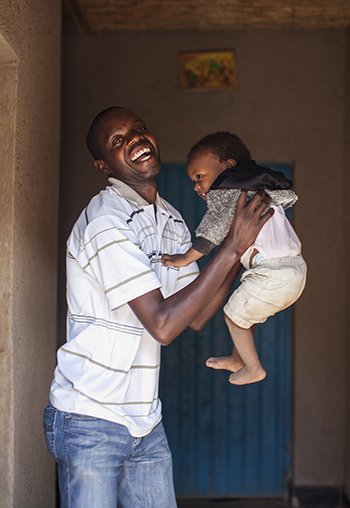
x=139 y=153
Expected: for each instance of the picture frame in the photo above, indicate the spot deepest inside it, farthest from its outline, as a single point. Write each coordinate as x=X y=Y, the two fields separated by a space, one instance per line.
x=207 y=71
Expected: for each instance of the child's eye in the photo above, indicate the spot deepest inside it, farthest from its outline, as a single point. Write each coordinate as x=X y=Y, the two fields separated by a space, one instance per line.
x=141 y=129
x=199 y=177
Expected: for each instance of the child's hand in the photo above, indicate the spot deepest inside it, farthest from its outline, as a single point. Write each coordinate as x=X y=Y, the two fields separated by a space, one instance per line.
x=177 y=260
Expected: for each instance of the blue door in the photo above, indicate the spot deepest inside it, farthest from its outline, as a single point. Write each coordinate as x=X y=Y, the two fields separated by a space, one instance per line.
x=226 y=440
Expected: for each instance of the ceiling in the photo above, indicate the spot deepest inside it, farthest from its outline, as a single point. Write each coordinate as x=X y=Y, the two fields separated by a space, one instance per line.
x=100 y=16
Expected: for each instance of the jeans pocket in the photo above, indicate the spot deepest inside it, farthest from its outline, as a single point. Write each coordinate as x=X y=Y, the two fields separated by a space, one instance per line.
x=49 y=418
x=77 y=417
x=48 y=424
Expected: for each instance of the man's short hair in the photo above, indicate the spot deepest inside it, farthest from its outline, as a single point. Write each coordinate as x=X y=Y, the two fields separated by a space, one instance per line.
x=224 y=144
x=92 y=138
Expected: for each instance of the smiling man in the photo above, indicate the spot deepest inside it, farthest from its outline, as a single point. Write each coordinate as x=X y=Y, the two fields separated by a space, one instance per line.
x=103 y=424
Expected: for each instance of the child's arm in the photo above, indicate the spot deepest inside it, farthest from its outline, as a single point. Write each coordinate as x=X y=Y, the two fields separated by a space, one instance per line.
x=179 y=260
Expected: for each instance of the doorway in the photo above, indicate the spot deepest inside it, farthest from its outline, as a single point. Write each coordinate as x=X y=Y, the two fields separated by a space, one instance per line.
x=227 y=441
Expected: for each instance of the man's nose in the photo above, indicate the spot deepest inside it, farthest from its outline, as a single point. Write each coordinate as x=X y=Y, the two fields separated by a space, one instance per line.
x=135 y=138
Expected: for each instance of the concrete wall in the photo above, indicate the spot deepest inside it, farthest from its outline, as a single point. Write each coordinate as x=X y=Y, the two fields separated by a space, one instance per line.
x=347 y=268
x=29 y=158
x=288 y=107
x=8 y=96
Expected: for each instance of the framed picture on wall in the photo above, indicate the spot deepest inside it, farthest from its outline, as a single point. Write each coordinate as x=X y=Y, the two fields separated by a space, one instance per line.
x=207 y=70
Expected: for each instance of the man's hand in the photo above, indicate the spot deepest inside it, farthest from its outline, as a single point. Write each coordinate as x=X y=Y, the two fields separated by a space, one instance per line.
x=248 y=221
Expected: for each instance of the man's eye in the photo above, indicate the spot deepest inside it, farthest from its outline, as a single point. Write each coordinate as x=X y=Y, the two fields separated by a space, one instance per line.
x=116 y=141
x=199 y=177
x=141 y=129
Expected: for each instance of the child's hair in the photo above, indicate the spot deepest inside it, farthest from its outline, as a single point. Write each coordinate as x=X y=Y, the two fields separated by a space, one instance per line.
x=92 y=138
x=224 y=144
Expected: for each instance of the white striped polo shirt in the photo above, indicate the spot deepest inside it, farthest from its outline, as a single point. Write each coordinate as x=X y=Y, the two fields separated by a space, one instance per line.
x=109 y=366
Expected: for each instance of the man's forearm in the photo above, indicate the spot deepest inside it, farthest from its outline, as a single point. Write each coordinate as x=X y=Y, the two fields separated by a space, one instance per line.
x=217 y=300
x=166 y=318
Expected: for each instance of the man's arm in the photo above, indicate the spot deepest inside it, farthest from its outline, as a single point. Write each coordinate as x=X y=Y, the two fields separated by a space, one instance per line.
x=166 y=318
x=217 y=300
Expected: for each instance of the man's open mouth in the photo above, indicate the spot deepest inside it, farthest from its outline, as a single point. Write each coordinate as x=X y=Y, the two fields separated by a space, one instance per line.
x=141 y=155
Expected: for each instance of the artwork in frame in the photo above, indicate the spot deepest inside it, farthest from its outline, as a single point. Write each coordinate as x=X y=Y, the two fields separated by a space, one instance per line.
x=207 y=70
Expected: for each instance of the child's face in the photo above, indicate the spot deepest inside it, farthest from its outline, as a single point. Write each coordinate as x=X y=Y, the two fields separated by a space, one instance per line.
x=204 y=168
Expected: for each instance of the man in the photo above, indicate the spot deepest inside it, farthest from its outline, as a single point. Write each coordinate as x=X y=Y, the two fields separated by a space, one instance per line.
x=103 y=425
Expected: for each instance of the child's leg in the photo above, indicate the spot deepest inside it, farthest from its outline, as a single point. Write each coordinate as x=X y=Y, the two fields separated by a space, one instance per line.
x=243 y=340
x=232 y=362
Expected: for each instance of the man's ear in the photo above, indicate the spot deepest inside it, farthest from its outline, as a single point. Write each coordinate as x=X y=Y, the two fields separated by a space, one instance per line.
x=101 y=166
x=231 y=163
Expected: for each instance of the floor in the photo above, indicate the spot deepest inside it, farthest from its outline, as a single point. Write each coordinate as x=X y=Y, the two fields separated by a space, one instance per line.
x=234 y=503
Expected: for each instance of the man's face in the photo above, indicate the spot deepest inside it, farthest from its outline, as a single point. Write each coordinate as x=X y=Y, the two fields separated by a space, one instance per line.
x=203 y=169
x=129 y=151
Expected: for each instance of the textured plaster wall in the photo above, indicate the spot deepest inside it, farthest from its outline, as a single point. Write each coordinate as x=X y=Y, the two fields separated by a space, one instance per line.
x=288 y=107
x=347 y=269
x=29 y=188
x=8 y=95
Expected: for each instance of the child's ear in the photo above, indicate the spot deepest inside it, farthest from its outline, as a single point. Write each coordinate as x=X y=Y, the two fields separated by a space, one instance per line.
x=231 y=163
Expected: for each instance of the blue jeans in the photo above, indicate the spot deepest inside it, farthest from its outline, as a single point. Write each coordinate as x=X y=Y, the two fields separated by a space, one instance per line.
x=101 y=465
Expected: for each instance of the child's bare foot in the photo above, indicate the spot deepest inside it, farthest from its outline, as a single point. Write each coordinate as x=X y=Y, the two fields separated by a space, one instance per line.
x=247 y=375
x=231 y=363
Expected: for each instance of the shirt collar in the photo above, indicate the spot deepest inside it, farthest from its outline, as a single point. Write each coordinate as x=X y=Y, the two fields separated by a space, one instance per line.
x=132 y=196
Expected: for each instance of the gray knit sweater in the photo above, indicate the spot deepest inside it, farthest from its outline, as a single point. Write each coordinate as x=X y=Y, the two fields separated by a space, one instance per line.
x=222 y=203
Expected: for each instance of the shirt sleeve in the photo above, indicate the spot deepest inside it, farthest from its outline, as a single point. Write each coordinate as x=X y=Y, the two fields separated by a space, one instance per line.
x=286 y=198
x=203 y=245
x=111 y=254
x=217 y=221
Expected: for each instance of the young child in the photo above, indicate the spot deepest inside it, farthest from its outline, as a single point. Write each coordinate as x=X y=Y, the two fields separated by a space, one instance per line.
x=220 y=165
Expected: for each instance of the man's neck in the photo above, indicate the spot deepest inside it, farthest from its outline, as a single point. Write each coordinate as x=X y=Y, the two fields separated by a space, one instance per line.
x=147 y=191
